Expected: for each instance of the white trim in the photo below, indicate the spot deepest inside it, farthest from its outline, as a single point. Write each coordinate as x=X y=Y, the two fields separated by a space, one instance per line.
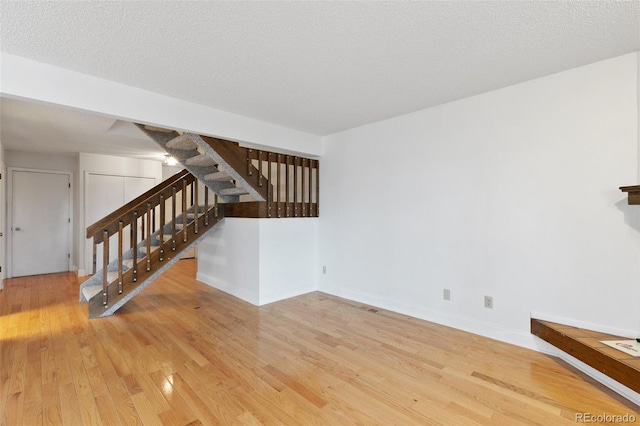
x=512 y=336
x=247 y=296
x=10 y=170
x=614 y=385
x=265 y=299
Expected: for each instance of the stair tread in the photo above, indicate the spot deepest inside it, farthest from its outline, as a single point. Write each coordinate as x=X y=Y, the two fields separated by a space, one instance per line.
x=143 y=249
x=201 y=160
x=221 y=176
x=233 y=191
x=182 y=142
x=91 y=290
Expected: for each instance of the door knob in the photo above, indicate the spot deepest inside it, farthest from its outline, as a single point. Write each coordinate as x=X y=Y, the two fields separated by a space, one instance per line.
x=18 y=228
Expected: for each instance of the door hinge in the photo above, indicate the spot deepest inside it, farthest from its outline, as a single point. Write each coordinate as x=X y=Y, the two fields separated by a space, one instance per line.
x=68 y=255
x=69 y=184
x=69 y=220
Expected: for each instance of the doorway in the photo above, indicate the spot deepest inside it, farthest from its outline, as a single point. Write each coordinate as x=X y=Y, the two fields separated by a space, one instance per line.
x=40 y=222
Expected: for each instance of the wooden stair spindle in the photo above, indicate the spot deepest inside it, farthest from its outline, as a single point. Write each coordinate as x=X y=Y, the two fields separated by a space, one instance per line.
x=286 y=184
x=278 y=184
x=317 y=188
x=120 y=259
x=309 y=187
x=184 y=210
x=95 y=255
x=206 y=206
x=260 y=177
x=295 y=186
x=134 y=244
x=148 y=238
x=304 y=181
x=105 y=267
x=162 y=225
x=269 y=192
x=173 y=218
x=196 y=206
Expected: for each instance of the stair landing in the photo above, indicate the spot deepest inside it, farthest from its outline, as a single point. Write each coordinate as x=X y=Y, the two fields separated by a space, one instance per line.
x=585 y=345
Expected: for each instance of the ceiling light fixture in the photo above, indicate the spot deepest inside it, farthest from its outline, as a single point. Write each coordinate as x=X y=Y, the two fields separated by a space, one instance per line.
x=170 y=161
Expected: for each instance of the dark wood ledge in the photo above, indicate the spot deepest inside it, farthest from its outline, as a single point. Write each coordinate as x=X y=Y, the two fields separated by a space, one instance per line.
x=585 y=345
x=633 y=192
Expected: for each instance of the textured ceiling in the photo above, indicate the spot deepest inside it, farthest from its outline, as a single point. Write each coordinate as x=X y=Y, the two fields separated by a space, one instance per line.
x=320 y=67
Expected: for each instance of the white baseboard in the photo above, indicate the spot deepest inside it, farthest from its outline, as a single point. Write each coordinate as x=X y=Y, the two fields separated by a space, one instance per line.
x=615 y=386
x=246 y=295
x=480 y=328
x=514 y=337
x=275 y=297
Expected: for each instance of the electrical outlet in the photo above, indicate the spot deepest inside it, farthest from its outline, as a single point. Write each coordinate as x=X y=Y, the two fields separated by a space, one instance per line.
x=488 y=302
x=446 y=294
x=324 y=269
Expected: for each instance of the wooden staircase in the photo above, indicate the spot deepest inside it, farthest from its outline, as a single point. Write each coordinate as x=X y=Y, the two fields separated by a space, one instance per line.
x=221 y=179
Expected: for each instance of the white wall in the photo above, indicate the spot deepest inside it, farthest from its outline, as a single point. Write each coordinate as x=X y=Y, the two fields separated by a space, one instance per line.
x=228 y=259
x=512 y=194
x=288 y=258
x=57 y=162
x=261 y=260
x=109 y=165
x=23 y=78
x=3 y=215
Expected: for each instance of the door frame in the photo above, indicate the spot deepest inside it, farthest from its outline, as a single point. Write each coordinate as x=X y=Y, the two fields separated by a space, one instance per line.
x=10 y=171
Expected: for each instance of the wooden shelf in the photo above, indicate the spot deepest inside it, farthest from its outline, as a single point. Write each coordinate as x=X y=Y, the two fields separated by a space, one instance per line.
x=585 y=345
x=633 y=194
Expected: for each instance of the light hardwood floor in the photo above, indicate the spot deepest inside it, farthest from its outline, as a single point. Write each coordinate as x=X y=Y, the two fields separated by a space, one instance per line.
x=183 y=353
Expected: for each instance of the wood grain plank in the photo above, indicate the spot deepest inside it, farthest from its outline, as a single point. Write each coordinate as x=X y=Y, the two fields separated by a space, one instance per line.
x=312 y=359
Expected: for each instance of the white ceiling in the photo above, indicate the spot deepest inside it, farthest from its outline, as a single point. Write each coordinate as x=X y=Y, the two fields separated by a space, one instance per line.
x=318 y=67
x=35 y=127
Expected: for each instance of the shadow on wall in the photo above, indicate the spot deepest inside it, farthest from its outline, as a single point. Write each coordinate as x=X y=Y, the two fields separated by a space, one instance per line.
x=631 y=213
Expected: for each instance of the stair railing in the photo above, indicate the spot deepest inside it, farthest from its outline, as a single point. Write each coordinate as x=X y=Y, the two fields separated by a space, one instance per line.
x=137 y=222
x=295 y=182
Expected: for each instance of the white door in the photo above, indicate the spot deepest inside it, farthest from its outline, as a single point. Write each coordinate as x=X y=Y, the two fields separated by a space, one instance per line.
x=135 y=186
x=40 y=223
x=105 y=194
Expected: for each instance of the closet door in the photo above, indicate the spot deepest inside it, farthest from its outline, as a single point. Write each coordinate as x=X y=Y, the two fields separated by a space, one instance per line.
x=103 y=194
x=134 y=186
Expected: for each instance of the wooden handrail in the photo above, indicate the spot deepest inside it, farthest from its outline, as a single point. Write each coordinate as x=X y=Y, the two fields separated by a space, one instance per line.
x=294 y=193
x=125 y=213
